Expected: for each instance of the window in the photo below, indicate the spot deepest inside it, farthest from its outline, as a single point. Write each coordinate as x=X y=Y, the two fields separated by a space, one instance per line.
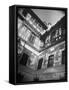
x=24 y=33
x=31 y=38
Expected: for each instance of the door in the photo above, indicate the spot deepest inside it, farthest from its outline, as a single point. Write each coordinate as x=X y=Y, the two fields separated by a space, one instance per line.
x=51 y=61
x=40 y=63
x=24 y=59
x=63 y=57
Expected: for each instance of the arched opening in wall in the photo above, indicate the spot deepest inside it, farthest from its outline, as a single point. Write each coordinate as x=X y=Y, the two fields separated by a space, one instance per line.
x=40 y=64
x=63 y=57
x=50 y=61
x=24 y=59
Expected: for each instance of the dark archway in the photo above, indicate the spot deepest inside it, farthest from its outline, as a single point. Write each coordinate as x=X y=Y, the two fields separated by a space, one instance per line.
x=40 y=63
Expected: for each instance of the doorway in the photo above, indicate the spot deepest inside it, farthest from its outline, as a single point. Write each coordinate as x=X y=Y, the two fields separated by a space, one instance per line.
x=40 y=64
x=24 y=59
x=50 y=61
x=63 y=57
